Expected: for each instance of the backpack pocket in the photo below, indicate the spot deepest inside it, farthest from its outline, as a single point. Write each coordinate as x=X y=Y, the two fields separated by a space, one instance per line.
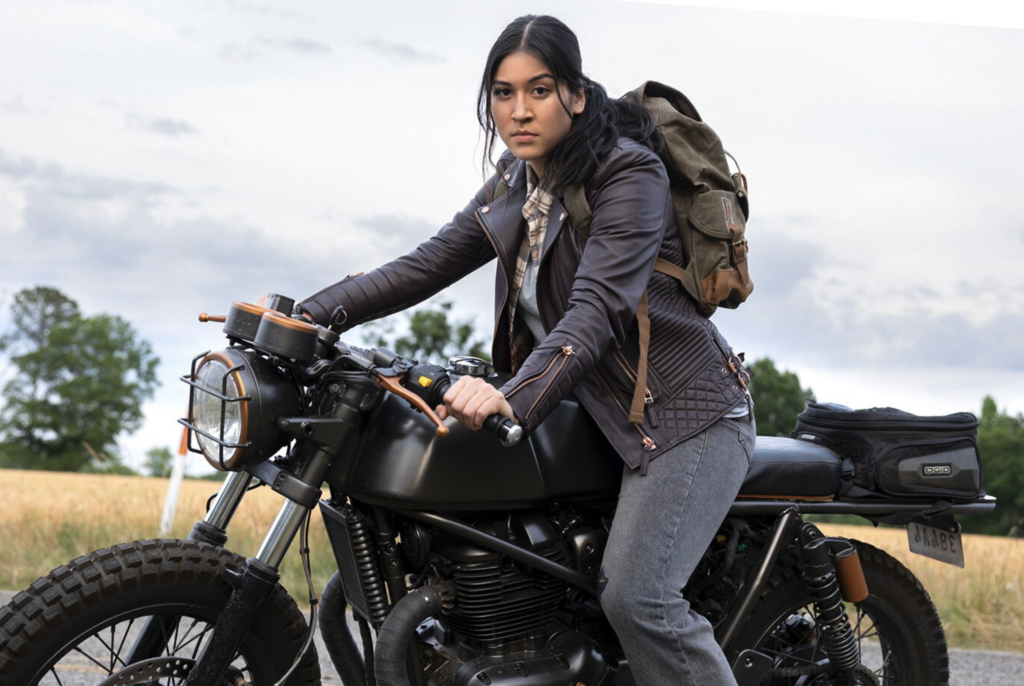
x=716 y=247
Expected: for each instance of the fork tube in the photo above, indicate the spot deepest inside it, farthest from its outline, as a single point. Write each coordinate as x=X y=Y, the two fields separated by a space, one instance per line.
x=213 y=527
x=281 y=534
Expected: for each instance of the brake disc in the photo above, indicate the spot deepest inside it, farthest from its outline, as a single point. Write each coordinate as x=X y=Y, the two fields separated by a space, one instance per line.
x=150 y=672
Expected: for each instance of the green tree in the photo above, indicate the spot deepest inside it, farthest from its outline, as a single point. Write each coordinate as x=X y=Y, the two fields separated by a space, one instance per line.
x=1001 y=444
x=159 y=461
x=778 y=398
x=432 y=335
x=79 y=382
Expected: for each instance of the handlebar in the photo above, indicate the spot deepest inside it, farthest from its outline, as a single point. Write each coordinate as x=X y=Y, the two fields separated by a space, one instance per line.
x=430 y=382
x=507 y=431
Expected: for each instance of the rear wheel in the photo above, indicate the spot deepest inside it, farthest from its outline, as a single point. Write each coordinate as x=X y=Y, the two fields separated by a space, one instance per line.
x=78 y=624
x=898 y=629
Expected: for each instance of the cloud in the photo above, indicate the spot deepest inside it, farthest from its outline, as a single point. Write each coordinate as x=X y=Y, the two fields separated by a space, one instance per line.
x=396 y=229
x=779 y=264
x=299 y=46
x=15 y=106
x=162 y=125
x=239 y=53
x=400 y=51
x=92 y=235
x=262 y=9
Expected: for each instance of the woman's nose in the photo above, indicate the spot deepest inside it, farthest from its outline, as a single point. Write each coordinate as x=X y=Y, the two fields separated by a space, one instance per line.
x=520 y=111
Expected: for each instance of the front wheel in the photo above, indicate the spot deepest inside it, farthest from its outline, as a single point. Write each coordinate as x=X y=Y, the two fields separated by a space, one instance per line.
x=78 y=624
x=897 y=627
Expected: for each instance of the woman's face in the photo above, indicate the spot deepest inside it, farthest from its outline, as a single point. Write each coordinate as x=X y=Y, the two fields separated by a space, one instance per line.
x=527 y=112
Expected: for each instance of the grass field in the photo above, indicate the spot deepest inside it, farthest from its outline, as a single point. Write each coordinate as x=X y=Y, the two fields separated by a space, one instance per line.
x=50 y=518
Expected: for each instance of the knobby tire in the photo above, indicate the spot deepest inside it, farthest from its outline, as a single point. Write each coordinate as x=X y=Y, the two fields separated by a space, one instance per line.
x=80 y=618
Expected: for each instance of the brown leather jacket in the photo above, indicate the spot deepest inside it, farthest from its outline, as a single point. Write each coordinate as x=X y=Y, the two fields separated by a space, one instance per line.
x=587 y=301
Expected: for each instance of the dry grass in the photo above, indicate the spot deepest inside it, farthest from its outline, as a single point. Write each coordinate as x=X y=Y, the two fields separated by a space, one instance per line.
x=50 y=518
x=982 y=606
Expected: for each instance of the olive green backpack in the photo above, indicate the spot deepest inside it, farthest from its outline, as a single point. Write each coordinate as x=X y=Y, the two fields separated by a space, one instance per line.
x=711 y=203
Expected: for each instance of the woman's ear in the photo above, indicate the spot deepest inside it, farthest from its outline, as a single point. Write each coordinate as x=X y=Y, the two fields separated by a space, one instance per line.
x=579 y=102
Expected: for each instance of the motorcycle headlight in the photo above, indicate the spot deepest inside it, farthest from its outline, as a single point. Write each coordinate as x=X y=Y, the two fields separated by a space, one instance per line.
x=237 y=397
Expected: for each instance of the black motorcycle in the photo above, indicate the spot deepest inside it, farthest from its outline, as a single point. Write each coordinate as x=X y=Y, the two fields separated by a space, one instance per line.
x=465 y=563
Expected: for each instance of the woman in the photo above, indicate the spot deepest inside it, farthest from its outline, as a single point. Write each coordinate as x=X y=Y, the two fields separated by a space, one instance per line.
x=565 y=323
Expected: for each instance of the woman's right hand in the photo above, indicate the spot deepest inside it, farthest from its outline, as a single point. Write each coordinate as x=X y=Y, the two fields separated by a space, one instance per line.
x=471 y=400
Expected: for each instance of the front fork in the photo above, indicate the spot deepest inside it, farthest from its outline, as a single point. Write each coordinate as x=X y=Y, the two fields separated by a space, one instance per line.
x=211 y=529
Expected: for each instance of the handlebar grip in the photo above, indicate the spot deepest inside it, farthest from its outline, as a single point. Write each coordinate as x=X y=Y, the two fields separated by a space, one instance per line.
x=504 y=428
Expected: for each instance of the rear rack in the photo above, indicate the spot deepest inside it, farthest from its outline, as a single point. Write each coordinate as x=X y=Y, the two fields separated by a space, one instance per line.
x=978 y=506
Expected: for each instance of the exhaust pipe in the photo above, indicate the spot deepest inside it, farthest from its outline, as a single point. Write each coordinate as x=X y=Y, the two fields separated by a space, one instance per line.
x=334 y=630
x=399 y=628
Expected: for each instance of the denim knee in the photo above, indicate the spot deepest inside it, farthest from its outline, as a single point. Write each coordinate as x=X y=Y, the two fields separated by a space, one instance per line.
x=618 y=598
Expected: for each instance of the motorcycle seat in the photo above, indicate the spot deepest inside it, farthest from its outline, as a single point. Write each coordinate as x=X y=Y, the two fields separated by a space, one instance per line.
x=792 y=469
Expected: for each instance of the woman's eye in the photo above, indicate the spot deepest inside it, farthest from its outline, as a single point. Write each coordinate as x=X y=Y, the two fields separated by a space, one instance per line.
x=502 y=92
x=541 y=90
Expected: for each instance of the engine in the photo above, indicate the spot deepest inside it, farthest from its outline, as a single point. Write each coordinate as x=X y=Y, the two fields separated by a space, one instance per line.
x=507 y=626
x=498 y=599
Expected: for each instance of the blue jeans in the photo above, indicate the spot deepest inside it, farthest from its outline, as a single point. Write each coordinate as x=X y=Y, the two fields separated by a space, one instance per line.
x=663 y=524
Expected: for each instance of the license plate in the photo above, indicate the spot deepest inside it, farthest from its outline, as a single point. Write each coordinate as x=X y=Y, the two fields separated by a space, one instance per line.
x=943 y=545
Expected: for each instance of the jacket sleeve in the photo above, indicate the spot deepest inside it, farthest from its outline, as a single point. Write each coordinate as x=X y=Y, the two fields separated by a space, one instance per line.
x=458 y=249
x=628 y=197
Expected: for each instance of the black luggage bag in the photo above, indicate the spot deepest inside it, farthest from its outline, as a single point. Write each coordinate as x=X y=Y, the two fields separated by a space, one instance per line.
x=899 y=454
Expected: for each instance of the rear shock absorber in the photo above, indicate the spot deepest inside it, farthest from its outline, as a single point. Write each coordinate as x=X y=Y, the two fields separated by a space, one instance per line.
x=833 y=623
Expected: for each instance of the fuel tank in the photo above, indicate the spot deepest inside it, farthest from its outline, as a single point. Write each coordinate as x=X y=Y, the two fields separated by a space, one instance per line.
x=403 y=464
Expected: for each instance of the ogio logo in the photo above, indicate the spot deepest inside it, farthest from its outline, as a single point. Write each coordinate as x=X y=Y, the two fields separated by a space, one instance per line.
x=937 y=470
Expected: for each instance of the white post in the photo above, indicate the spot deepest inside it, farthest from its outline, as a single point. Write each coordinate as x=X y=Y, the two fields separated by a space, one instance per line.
x=173 y=490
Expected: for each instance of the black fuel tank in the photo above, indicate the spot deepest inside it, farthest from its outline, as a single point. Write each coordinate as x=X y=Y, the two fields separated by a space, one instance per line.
x=404 y=464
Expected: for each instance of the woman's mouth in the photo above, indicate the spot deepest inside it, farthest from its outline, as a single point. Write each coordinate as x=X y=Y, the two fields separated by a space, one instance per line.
x=523 y=136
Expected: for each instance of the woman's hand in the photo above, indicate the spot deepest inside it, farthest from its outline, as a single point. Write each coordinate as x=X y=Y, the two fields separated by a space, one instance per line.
x=471 y=400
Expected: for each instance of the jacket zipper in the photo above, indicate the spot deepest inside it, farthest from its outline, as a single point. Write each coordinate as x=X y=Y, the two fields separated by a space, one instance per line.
x=646 y=441
x=561 y=356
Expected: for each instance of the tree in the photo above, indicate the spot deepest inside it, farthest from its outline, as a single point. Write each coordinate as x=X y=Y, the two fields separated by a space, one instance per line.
x=79 y=383
x=159 y=461
x=778 y=398
x=432 y=336
x=1001 y=444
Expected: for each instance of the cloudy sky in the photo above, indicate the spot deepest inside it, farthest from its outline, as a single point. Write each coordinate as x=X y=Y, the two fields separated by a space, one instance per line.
x=162 y=159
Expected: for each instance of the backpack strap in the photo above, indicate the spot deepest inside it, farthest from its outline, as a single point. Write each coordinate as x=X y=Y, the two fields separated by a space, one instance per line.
x=579 y=209
x=643 y=321
x=665 y=267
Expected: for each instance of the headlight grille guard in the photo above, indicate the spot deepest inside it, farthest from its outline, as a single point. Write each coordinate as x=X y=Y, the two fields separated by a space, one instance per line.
x=191 y=428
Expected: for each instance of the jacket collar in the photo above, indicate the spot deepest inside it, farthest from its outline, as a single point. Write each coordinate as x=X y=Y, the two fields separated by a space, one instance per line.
x=503 y=217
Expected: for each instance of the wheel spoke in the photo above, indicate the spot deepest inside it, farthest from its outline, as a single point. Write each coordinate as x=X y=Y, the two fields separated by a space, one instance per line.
x=90 y=658
x=53 y=670
x=196 y=640
x=124 y=638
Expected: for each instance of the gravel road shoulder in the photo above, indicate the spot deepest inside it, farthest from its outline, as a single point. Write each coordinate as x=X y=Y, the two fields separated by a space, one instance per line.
x=967 y=667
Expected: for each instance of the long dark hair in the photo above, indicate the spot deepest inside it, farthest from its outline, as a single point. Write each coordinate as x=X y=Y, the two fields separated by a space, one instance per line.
x=595 y=131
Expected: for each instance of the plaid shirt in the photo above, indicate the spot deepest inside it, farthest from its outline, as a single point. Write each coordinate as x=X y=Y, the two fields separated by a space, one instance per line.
x=535 y=211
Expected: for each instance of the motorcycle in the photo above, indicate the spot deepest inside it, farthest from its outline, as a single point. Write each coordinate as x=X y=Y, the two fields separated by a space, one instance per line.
x=464 y=562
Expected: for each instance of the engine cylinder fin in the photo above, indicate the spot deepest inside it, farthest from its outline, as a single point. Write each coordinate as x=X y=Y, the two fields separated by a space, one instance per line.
x=497 y=603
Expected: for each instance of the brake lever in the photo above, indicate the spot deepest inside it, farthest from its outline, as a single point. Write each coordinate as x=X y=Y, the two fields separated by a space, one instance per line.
x=393 y=384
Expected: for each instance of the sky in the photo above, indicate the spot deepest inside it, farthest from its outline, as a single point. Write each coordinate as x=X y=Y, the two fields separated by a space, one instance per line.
x=162 y=159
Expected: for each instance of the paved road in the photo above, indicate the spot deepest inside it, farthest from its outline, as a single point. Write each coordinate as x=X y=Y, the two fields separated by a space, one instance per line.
x=967 y=667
